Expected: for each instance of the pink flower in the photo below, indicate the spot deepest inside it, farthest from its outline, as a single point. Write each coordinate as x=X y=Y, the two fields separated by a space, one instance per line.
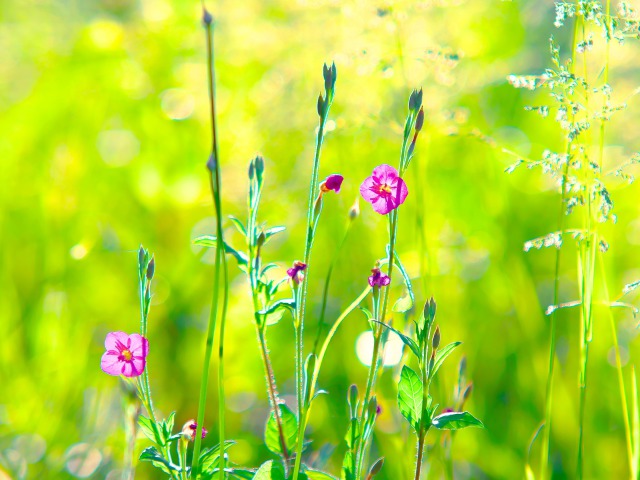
x=384 y=189
x=333 y=182
x=378 y=279
x=295 y=272
x=126 y=354
x=190 y=428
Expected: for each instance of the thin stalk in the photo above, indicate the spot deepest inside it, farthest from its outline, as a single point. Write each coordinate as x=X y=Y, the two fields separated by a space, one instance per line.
x=323 y=350
x=587 y=269
x=546 y=434
x=215 y=184
x=327 y=281
x=302 y=298
x=621 y=386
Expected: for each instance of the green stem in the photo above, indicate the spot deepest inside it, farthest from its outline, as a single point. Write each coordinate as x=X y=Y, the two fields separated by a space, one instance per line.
x=302 y=298
x=216 y=185
x=546 y=434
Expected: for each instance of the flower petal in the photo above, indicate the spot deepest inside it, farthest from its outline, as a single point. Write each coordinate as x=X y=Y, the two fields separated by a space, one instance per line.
x=384 y=204
x=385 y=173
x=369 y=190
x=400 y=191
x=110 y=363
x=139 y=345
x=334 y=182
x=114 y=339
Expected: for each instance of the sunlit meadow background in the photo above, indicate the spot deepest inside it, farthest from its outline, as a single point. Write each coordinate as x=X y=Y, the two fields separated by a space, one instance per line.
x=103 y=143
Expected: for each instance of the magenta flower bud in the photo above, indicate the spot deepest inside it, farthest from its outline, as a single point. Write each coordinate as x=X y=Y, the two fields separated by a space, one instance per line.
x=384 y=189
x=378 y=279
x=190 y=429
x=126 y=354
x=333 y=182
x=295 y=272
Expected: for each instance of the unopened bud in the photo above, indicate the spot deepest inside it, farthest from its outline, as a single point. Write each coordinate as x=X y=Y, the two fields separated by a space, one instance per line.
x=252 y=170
x=436 y=338
x=326 y=73
x=376 y=467
x=420 y=120
x=151 y=268
x=259 y=166
x=467 y=391
x=207 y=18
x=141 y=255
x=354 y=211
x=321 y=105
x=353 y=395
x=463 y=367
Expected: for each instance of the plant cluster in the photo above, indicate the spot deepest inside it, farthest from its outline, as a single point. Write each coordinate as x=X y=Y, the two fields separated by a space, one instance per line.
x=273 y=298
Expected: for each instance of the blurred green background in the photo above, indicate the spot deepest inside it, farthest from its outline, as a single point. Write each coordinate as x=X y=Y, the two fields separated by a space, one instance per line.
x=103 y=143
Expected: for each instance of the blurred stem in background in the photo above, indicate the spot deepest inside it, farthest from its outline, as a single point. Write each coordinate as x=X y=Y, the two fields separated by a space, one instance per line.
x=220 y=277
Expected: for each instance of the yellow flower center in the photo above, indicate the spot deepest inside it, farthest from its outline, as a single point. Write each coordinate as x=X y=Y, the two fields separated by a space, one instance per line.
x=127 y=355
x=384 y=188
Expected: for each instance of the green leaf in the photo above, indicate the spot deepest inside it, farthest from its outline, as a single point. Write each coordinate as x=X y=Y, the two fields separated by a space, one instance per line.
x=270 y=232
x=242 y=473
x=288 y=303
x=151 y=454
x=441 y=356
x=167 y=427
x=147 y=427
x=289 y=427
x=270 y=470
x=318 y=475
x=212 y=242
x=410 y=397
x=238 y=224
x=455 y=421
x=210 y=457
x=408 y=341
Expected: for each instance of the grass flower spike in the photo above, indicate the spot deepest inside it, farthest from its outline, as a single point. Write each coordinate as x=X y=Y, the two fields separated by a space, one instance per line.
x=384 y=189
x=126 y=354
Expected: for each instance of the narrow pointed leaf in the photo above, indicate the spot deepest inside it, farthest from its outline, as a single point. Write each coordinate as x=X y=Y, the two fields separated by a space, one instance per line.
x=456 y=421
x=210 y=457
x=288 y=303
x=410 y=397
x=408 y=341
x=441 y=356
x=211 y=242
x=238 y=224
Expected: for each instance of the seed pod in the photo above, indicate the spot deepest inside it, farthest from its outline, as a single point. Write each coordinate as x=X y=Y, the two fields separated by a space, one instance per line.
x=376 y=467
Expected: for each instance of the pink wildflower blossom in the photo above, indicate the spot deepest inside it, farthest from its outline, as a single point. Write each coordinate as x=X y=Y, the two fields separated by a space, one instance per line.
x=384 y=189
x=378 y=279
x=126 y=354
x=190 y=428
x=333 y=182
x=295 y=272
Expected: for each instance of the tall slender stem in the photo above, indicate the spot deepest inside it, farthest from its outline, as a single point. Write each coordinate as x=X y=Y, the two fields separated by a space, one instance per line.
x=215 y=184
x=302 y=292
